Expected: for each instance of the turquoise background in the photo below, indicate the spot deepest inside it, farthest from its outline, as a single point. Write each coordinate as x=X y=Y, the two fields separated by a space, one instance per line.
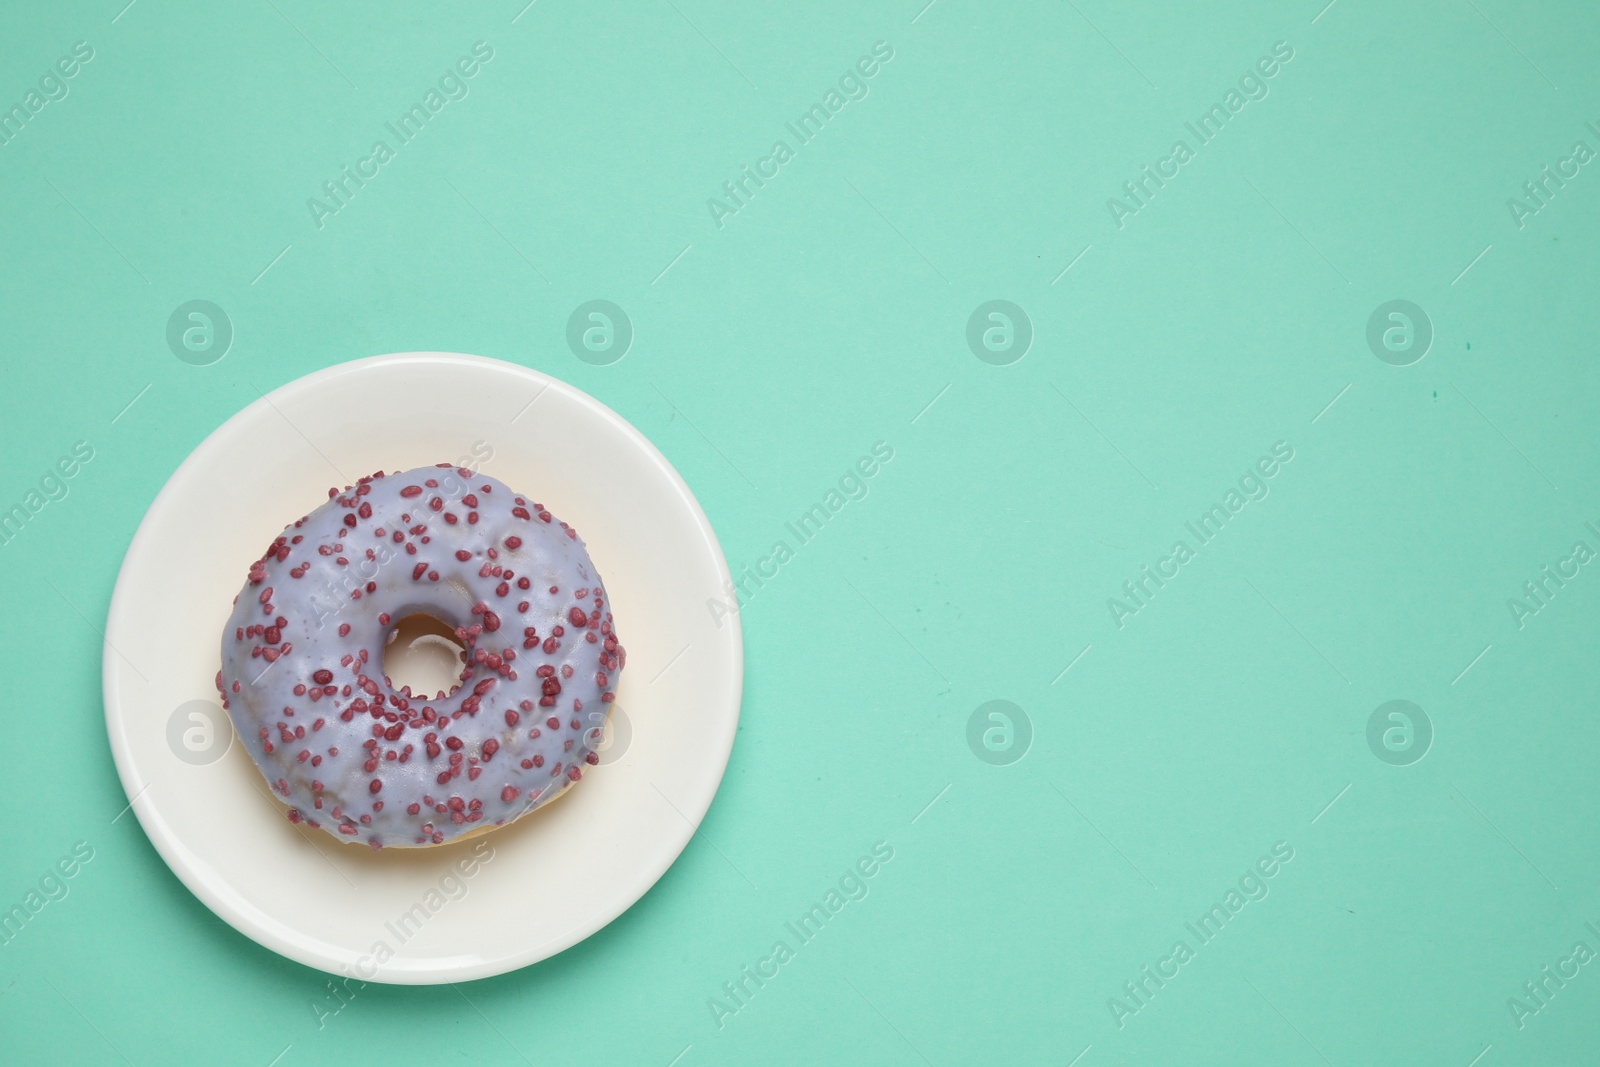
x=1229 y=313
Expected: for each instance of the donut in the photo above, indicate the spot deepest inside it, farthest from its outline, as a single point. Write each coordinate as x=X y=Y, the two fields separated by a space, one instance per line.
x=302 y=674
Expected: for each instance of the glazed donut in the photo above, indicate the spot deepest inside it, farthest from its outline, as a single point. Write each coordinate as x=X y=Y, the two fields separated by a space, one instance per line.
x=302 y=659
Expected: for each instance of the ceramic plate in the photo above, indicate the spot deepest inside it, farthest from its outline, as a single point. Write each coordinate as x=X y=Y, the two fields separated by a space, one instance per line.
x=490 y=904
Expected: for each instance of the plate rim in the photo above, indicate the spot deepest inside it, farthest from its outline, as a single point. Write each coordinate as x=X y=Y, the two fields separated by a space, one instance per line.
x=170 y=845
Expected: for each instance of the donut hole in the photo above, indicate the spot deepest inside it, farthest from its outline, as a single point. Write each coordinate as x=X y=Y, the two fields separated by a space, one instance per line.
x=422 y=654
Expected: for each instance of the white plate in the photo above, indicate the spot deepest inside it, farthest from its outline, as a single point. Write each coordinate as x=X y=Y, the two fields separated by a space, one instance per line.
x=553 y=877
